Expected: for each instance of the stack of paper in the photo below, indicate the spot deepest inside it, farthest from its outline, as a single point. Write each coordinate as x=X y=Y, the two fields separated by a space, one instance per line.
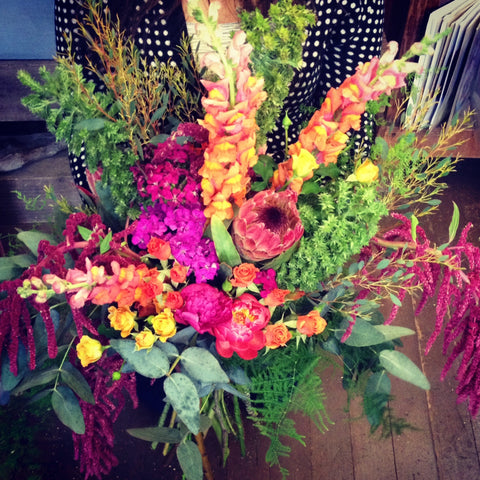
x=453 y=70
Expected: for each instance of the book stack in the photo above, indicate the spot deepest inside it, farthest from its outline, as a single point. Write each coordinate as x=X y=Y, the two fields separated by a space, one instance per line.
x=452 y=73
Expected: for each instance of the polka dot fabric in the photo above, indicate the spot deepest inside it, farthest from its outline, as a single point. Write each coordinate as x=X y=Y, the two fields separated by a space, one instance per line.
x=346 y=32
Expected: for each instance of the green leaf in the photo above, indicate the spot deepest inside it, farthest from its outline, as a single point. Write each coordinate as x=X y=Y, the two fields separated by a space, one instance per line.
x=35 y=379
x=402 y=367
x=91 y=124
x=391 y=332
x=264 y=167
x=377 y=394
x=163 y=137
x=383 y=264
x=84 y=232
x=156 y=434
x=224 y=246
x=452 y=229
x=105 y=243
x=182 y=394
x=9 y=268
x=396 y=301
x=151 y=363
x=414 y=224
x=365 y=334
x=190 y=460
x=382 y=143
x=378 y=383
x=201 y=365
x=279 y=260
x=32 y=238
x=310 y=187
x=9 y=380
x=67 y=407
x=159 y=113
x=76 y=381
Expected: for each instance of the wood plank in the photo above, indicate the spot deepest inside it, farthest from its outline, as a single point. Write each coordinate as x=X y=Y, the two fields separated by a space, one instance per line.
x=414 y=450
x=332 y=455
x=30 y=181
x=452 y=427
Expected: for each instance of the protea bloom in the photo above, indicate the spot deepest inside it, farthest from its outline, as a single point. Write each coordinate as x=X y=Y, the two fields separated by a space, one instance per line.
x=267 y=225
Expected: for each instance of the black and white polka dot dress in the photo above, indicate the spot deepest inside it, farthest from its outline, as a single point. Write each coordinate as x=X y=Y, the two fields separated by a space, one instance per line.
x=346 y=32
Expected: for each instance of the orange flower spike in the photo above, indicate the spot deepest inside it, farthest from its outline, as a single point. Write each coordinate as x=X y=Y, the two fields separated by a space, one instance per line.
x=219 y=207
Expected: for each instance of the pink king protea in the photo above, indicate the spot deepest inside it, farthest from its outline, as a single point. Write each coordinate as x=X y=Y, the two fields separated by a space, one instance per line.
x=266 y=225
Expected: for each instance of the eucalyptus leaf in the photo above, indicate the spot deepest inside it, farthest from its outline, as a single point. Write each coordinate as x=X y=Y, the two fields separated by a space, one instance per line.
x=402 y=367
x=183 y=336
x=32 y=238
x=182 y=394
x=201 y=365
x=365 y=334
x=378 y=383
x=67 y=407
x=190 y=460
x=391 y=332
x=76 y=381
x=8 y=269
x=35 y=378
x=151 y=363
x=9 y=380
x=156 y=434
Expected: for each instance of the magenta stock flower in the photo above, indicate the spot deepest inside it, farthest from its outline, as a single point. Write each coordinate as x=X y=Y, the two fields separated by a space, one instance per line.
x=244 y=333
x=204 y=307
x=267 y=225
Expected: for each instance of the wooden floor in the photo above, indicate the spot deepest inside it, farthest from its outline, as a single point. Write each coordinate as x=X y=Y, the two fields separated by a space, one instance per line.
x=444 y=444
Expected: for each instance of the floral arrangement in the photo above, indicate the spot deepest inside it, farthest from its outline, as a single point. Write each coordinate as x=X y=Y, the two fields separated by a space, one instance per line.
x=200 y=263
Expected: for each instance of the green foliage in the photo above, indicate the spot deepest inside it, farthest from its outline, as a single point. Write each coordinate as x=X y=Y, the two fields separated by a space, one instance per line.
x=112 y=125
x=151 y=363
x=277 y=51
x=338 y=222
x=412 y=173
x=190 y=460
x=283 y=383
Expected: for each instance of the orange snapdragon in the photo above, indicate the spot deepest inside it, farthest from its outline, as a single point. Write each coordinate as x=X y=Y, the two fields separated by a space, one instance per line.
x=230 y=106
x=325 y=136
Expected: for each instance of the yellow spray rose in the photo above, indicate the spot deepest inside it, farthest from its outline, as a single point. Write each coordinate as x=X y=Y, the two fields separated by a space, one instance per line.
x=89 y=350
x=367 y=172
x=303 y=162
x=144 y=340
x=164 y=324
x=122 y=319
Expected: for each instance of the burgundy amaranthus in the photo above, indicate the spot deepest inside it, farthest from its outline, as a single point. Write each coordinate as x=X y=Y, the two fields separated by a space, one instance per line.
x=15 y=316
x=453 y=276
x=94 y=449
